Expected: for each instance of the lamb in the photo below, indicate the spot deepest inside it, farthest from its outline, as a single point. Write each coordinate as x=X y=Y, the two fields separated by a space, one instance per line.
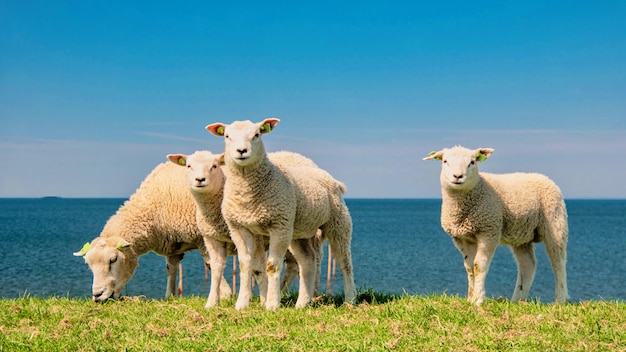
x=482 y=210
x=286 y=204
x=161 y=217
x=205 y=180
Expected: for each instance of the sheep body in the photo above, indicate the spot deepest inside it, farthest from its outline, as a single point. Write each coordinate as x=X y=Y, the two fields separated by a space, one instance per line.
x=286 y=204
x=482 y=210
x=160 y=217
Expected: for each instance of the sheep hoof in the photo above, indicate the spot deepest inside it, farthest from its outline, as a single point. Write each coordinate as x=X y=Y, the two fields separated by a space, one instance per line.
x=478 y=302
x=300 y=305
x=211 y=304
x=272 y=307
x=241 y=305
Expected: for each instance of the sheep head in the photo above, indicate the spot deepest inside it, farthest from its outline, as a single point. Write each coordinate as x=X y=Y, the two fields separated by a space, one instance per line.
x=459 y=170
x=112 y=265
x=242 y=139
x=204 y=174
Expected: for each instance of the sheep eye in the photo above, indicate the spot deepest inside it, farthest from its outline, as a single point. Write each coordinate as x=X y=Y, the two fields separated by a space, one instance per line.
x=214 y=167
x=256 y=135
x=472 y=162
x=113 y=260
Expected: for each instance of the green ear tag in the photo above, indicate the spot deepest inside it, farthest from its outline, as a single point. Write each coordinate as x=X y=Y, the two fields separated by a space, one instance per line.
x=481 y=157
x=266 y=127
x=182 y=161
x=220 y=130
x=432 y=153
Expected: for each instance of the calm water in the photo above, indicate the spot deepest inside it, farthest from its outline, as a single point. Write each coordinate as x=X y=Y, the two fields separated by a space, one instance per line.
x=398 y=246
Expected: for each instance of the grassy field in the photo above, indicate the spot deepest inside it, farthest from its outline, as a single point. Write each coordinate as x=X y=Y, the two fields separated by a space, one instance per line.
x=377 y=323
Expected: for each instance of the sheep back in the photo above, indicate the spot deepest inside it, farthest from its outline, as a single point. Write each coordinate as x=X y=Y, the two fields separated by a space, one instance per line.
x=160 y=216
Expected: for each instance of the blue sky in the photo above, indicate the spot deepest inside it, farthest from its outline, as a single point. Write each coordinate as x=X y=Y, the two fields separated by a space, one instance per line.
x=94 y=94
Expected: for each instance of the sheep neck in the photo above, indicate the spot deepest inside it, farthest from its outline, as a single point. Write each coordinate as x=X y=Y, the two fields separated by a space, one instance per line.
x=252 y=178
x=462 y=202
x=209 y=203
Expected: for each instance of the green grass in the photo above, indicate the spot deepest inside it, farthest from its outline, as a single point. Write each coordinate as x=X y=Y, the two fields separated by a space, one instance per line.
x=378 y=322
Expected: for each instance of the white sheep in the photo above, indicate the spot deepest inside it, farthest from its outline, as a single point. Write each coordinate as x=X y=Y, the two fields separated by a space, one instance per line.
x=205 y=180
x=160 y=217
x=286 y=204
x=482 y=210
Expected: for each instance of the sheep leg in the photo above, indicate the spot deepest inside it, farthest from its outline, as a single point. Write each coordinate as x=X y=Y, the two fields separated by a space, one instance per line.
x=340 y=247
x=244 y=241
x=217 y=254
x=485 y=249
x=279 y=242
x=291 y=271
x=258 y=269
x=526 y=266
x=304 y=252
x=171 y=267
x=468 y=251
x=225 y=290
x=319 y=254
x=556 y=243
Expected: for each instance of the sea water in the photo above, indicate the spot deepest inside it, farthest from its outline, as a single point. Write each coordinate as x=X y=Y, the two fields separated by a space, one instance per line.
x=398 y=246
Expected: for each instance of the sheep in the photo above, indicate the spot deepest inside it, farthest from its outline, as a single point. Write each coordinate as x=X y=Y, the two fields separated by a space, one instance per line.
x=205 y=180
x=483 y=210
x=286 y=204
x=160 y=217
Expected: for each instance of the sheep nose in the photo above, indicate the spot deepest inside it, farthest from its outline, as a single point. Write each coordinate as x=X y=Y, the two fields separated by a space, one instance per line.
x=97 y=295
x=458 y=177
x=201 y=179
x=242 y=151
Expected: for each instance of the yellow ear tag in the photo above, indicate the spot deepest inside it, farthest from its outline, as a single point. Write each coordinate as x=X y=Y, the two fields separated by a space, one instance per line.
x=85 y=248
x=182 y=161
x=481 y=157
x=220 y=130
x=121 y=245
x=266 y=127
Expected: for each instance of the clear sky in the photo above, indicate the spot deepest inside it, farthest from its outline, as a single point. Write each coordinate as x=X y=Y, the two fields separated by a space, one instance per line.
x=93 y=95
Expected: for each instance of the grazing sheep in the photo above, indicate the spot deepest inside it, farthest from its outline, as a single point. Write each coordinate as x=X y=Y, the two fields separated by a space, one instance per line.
x=286 y=204
x=482 y=210
x=205 y=180
x=160 y=217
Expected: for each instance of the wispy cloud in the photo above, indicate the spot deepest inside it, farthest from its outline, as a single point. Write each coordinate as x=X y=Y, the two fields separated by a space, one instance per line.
x=171 y=137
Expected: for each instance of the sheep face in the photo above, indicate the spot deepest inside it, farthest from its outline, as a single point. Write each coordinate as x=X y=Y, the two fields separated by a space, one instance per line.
x=242 y=140
x=459 y=170
x=204 y=173
x=112 y=266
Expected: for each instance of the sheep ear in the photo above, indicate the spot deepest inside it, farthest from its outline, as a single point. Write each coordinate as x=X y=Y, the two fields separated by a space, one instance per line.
x=216 y=129
x=220 y=159
x=178 y=159
x=122 y=245
x=434 y=155
x=268 y=125
x=483 y=153
x=83 y=250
